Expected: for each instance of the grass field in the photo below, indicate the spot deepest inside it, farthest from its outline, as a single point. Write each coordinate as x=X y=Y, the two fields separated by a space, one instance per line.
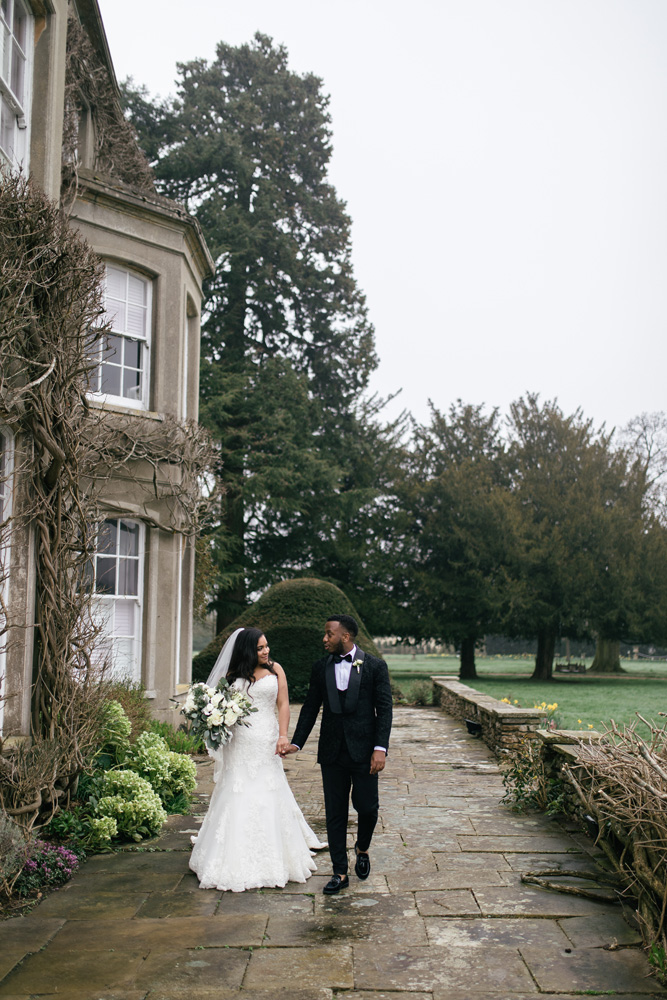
x=592 y=700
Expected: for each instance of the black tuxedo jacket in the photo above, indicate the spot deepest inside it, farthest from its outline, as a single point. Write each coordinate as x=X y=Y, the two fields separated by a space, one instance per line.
x=366 y=721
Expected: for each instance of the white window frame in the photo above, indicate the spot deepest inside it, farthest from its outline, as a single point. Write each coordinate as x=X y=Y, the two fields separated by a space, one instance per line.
x=141 y=402
x=6 y=478
x=15 y=108
x=107 y=605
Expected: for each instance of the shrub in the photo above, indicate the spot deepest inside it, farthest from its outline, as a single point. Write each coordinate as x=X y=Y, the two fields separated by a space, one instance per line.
x=422 y=693
x=171 y=775
x=46 y=865
x=178 y=740
x=292 y=615
x=132 y=698
x=13 y=851
x=114 y=736
x=82 y=831
x=128 y=799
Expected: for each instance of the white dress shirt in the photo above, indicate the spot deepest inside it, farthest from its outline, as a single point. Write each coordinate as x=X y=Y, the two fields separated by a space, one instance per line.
x=343 y=671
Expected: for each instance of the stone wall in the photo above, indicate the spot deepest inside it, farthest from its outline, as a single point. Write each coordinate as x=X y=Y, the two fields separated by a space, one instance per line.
x=502 y=726
x=560 y=748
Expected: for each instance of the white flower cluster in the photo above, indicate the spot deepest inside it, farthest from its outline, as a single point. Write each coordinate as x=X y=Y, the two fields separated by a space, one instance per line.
x=129 y=800
x=169 y=774
x=213 y=712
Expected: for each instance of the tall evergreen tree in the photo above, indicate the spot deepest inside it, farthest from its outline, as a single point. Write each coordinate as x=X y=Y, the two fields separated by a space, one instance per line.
x=287 y=347
x=464 y=529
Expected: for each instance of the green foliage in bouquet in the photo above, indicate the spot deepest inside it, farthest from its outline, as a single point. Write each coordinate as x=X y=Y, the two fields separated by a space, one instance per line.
x=292 y=614
x=173 y=776
x=213 y=712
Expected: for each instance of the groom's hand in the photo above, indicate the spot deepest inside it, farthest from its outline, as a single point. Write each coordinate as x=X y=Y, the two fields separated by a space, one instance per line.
x=377 y=761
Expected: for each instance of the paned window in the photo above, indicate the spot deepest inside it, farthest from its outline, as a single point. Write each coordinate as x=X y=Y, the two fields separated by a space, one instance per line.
x=118 y=584
x=16 y=28
x=122 y=372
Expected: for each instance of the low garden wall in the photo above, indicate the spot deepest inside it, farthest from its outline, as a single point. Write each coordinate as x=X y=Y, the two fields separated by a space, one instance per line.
x=503 y=727
x=614 y=782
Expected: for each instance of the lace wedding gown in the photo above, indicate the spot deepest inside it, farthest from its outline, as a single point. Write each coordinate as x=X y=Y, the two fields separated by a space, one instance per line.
x=254 y=833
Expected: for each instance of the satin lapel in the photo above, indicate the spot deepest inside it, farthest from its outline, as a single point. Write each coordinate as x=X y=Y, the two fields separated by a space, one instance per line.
x=332 y=690
x=352 y=696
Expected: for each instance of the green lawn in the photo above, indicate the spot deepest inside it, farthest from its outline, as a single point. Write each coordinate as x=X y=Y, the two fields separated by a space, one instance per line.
x=593 y=700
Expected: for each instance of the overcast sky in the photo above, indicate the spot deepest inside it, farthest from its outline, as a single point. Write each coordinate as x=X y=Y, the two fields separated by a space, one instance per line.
x=504 y=163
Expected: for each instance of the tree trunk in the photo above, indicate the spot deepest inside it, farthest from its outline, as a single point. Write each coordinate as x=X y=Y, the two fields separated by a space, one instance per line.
x=544 y=660
x=468 y=671
x=607 y=657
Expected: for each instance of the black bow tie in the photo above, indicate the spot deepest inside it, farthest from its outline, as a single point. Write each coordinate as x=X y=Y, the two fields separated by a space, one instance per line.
x=348 y=657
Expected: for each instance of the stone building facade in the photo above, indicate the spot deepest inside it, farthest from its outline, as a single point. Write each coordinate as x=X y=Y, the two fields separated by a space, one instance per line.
x=155 y=262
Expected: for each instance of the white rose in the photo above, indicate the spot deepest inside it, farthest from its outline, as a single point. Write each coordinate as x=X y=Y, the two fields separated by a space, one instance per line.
x=189 y=704
x=236 y=709
x=230 y=717
x=207 y=709
x=215 y=718
x=217 y=698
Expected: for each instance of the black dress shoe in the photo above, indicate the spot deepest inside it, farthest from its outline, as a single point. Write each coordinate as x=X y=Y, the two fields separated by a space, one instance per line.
x=362 y=866
x=335 y=884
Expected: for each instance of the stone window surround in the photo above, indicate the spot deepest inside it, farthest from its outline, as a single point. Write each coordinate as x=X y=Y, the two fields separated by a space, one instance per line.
x=142 y=404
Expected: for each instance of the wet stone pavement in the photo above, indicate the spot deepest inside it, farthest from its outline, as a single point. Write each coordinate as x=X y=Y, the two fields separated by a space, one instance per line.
x=444 y=915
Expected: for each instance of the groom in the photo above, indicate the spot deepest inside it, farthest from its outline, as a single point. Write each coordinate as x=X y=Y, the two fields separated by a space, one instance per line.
x=353 y=688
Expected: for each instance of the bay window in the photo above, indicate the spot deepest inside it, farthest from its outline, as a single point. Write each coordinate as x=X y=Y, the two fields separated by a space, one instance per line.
x=118 y=586
x=122 y=355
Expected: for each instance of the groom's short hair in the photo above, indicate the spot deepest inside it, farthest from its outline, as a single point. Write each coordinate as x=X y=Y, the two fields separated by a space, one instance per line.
x=348 y=623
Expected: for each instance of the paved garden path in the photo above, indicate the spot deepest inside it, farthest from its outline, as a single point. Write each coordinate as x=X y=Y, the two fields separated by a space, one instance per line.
x=444 y=915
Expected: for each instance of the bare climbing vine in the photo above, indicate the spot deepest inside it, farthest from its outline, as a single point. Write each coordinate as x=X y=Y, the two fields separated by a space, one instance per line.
x=90 y=98
x=66 y=452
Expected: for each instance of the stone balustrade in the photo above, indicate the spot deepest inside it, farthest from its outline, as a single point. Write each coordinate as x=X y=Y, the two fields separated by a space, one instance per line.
x=502 y=726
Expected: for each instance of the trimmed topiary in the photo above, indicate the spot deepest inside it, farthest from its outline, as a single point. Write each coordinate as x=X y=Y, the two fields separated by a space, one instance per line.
x=292 y=615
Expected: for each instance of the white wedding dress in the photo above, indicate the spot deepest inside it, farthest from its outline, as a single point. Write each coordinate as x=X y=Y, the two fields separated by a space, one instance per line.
x=254 y=835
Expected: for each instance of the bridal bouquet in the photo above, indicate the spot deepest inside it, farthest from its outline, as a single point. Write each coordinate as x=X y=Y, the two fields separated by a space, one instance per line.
x=213 y=712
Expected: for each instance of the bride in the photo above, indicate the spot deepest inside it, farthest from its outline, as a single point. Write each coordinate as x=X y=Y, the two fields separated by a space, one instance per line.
x=254 y=833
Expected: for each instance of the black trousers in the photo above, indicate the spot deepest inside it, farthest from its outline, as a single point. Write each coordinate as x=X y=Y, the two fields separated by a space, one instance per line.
x=337 y=779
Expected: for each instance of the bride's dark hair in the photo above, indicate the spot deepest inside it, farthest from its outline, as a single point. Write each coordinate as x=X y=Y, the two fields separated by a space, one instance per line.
x=244 y=656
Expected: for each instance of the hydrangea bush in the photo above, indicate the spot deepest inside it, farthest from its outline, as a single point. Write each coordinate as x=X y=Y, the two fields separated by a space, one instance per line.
x=128 y=799
x=170 y=774
x=115 y=736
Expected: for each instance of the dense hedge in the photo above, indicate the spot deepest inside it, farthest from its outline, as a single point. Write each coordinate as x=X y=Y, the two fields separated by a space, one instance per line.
x=292 y=615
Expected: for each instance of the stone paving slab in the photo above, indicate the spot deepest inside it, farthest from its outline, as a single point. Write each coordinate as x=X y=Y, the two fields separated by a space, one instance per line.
x=279 y=968
x=586 y=968
x=67 y=971
x=182 y=973
x=531 y=901
x=22 y=937
x=388 y=968
x=350 y=927
x=157 y=935
x=600 y=931
x=513 y=933
x=443 y=916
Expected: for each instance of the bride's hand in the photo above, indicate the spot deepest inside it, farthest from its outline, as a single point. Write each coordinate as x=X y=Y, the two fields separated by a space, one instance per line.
x=282 y=745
